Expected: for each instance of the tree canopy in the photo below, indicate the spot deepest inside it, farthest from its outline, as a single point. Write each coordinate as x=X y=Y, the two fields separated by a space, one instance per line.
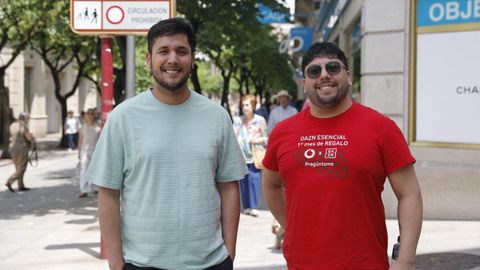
x=237 y=52
x=18 y=26
x=243 y=49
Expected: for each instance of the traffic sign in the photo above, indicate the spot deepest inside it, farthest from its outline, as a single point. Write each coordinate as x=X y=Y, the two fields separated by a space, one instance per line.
x=111 y=17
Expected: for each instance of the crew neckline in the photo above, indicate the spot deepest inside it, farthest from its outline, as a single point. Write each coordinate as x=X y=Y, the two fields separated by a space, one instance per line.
x=333 y=118
x=163 y=104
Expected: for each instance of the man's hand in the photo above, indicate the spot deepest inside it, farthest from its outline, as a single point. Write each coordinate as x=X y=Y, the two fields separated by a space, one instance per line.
x=117 y=265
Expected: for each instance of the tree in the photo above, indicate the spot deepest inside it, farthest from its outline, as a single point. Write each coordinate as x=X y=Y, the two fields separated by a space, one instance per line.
x=267 y=68
x=143 y=77
x=18 y=25
x=59 y=47
x=92 y=71
x=92 y=68
x=209 y=77
x=216 y=22
x=119 y=69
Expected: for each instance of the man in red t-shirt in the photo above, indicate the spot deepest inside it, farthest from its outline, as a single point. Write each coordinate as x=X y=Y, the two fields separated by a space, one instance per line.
x=324 y=173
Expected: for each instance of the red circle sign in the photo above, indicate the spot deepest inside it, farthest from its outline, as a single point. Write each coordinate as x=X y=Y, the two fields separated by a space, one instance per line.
x=115 y=14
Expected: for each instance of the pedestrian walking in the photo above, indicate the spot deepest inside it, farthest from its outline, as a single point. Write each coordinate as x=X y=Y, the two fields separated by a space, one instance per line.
x=89 y=133
x=172 y=155
x=325 y=169
x=71 y=126
x=282 y=111
x=20 y=140
x=251 y=132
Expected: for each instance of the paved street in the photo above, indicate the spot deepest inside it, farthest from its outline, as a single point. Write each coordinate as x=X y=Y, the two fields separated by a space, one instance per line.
x=50 y=228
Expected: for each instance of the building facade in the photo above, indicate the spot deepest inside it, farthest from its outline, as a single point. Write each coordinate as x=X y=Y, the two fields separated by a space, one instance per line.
x=31 y=90
x=397 y=68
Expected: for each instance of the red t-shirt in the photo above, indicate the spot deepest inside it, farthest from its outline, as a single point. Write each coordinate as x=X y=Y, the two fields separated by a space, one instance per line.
x=334 y=170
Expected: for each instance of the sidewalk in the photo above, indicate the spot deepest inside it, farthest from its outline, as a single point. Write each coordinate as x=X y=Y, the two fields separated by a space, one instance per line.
x=50 y=228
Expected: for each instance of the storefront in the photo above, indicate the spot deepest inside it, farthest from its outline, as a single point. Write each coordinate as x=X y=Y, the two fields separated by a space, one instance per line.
x=417 y=62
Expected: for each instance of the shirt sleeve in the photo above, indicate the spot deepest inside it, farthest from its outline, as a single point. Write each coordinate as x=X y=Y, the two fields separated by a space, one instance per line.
x=231 y=163
x=395 y=151
x=270 y=160
x=106 y=169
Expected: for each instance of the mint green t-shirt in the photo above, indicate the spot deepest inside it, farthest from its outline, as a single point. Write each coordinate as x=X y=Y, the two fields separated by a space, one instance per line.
x=166 y=159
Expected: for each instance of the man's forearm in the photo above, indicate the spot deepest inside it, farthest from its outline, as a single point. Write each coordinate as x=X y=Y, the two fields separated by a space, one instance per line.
x=274 y=194
x=109 y=217
x=275 y=200
x=230 y=211
x=410 y=212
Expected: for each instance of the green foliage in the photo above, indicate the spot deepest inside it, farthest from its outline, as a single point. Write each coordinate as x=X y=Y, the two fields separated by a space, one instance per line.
x=54 y=40
x=18 y=24
x=230 y=34
x=143 y=77
x=264 y=62
x=210 y=78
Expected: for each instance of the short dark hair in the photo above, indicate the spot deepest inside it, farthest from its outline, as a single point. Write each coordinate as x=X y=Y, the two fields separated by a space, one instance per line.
x=170 y=27
x=320 y=49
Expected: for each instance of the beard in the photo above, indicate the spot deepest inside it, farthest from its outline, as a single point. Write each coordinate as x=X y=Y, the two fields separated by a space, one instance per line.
x=173 y=86
x=330 y=101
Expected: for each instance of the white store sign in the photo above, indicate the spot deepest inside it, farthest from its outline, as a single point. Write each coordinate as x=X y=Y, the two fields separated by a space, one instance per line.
x=447 y=76
x=118 y=17
x=448 y=87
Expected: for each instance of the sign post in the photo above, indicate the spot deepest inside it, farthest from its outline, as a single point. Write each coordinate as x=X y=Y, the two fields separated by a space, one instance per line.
x=107 y=78
x=107 y=18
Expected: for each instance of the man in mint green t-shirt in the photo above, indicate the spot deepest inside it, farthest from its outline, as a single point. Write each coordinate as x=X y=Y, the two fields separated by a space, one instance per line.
x=172 y=157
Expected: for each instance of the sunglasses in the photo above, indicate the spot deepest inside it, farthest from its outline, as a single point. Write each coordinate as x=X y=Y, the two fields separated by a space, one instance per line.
x=332 y=68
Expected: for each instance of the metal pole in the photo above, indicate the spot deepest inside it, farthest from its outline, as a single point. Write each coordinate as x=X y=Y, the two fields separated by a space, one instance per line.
x=130 y=73
x=107 y=98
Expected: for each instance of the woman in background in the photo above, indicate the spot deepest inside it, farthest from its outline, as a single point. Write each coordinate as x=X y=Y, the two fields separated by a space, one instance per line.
x=251 y=132
x=89 y=133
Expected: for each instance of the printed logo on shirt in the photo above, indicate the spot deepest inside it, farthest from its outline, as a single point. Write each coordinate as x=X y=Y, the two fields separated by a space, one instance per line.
x=324 y=153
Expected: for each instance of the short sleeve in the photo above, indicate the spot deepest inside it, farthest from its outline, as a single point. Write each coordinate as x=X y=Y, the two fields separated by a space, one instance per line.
x=231 y=163
x=106 y=169
x=395 y=151
x=270 y=160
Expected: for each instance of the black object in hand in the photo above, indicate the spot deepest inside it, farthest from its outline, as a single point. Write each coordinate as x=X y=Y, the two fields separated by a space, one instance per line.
x=396 y=250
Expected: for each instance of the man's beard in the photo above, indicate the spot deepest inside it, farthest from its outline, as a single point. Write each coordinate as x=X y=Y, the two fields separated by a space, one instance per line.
x=329 y=102
x=172 y=86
